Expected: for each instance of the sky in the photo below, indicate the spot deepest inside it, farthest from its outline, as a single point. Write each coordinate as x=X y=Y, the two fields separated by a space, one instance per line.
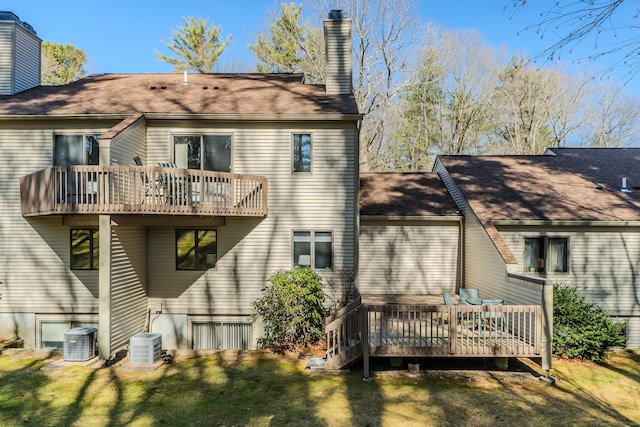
x=120 y=36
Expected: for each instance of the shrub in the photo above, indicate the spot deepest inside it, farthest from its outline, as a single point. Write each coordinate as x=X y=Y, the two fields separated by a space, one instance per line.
x=292 y=309
x=582 y=330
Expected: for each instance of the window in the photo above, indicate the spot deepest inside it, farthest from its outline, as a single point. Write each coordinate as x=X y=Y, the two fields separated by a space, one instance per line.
x=546 y=254
x=302 y=152
x=313 y=249
x=85 y=249
x=72 y=150
x=52 y=332
x=196 y=249
x=208 y=152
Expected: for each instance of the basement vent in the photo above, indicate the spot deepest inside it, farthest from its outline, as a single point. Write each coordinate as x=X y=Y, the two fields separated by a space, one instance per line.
x=145 y=348
x=222 y=336
x=79 y=344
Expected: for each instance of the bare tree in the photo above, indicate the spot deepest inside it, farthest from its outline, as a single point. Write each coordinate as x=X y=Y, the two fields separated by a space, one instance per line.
x=385 y=32
x=613 y=118
x=522 y=105
x=574 y=22
x=445 y=107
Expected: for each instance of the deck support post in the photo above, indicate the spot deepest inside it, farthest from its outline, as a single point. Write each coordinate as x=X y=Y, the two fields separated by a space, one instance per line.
x=547 y=326
x=365 y=340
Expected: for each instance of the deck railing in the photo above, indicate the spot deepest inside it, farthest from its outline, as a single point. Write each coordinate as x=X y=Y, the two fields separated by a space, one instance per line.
x=400 y=330
x=141 y=190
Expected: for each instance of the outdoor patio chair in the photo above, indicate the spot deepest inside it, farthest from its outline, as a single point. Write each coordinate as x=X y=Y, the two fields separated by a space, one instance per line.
x=470 y=296
x=143 y=177
x=175 y=185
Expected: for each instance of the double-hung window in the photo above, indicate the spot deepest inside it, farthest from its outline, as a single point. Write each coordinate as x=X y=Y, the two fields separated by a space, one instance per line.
x=546 y=254
x=313 y=249
x=206 y=152
x=196 y=249
x=301 y=152
x=85 y=249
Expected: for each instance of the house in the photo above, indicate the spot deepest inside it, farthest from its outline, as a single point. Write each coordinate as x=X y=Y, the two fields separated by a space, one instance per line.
x=163 y=202
x=570 y=215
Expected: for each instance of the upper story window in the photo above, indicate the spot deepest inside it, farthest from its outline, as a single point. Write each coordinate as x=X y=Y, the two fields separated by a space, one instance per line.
x=313 y=249
x=546 y=254
x=85 y=249
x=301 y=152
x=69 y=150
x=196 y=249
x=207 y=152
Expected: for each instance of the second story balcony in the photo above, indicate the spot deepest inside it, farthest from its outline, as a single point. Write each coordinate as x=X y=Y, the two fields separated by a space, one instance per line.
x=138 y=190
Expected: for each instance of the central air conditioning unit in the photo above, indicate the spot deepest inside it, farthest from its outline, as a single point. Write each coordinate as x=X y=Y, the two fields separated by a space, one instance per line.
x=80 y=344
x=145 y=348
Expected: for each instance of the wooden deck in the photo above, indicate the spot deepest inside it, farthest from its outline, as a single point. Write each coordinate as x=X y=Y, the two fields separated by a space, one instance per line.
x=432 y=330
x=132 y=190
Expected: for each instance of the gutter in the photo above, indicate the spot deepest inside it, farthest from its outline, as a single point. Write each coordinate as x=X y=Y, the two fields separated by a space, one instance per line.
x=441 y=218
x=565 y=223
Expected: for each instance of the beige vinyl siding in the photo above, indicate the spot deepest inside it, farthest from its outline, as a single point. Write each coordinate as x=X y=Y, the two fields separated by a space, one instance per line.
x=339 y=56
x=27 y=60
x=633 y=330
x=484 y=267
x=409 y=257
x=251 y=249
x=6 y=57
x=603 y=261
x=128 y=284
x=34 y=266
x=35 y=272
x=129 y=143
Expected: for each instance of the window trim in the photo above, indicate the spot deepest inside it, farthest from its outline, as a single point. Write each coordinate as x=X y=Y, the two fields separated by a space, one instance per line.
x=201 y=135
x=92 y=258
x=196 y=267
x=546 y=239
x=293 y=171
x=312 y=248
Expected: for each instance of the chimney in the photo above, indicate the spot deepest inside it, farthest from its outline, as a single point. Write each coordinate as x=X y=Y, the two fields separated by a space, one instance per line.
x=337 y=41
x=19 y=55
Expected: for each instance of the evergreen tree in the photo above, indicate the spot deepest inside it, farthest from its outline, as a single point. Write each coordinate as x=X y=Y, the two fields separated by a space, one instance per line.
x=61 y=64
x=197 y=45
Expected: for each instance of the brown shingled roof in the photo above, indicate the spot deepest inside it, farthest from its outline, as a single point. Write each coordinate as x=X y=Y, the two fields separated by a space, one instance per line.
x=271 y=94
x=576 y=184
x=404 y=195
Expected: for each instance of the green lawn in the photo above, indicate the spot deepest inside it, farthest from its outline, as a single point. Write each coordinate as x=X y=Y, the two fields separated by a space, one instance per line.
x=259 y=389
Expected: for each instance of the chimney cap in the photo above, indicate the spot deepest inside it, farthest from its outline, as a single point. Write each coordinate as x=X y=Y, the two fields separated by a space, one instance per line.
x=337 y=14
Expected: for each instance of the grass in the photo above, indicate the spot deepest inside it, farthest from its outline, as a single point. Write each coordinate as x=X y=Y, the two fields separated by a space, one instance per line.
x=259 y=389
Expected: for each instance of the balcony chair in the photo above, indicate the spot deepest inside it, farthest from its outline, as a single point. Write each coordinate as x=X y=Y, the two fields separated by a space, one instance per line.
x=144 y=178
x=175 y=186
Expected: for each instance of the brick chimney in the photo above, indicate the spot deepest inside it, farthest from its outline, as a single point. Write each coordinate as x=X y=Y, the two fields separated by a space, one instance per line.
x=19 y=55
x=337 y=41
